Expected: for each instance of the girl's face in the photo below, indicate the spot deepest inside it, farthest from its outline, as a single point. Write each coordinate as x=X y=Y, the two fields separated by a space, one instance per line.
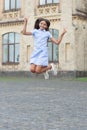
x=43 y=25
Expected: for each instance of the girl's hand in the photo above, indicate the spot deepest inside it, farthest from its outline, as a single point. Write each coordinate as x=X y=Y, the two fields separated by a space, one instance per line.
x=64 y=31
x=26 y=19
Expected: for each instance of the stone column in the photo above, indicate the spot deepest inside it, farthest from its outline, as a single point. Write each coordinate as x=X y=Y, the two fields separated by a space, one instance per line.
x=66 y=16
x=67 y=54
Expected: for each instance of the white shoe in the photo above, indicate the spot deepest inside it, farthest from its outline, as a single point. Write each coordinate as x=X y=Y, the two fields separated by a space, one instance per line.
x=46 y=75
x=54 y=69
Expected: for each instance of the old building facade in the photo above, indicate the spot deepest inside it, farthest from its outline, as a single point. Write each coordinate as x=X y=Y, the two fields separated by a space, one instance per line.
x=15 y=48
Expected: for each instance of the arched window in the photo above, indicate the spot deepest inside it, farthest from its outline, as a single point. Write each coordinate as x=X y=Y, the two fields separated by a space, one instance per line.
x=11 y=47
x=53 y=48
x=44 y=2
x=12 y=5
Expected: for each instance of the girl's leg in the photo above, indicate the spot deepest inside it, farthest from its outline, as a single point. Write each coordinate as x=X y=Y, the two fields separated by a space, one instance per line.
x=32 y=68
x=40 y=69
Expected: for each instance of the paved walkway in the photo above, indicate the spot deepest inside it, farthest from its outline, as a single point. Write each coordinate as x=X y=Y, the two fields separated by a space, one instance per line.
x=38 y=104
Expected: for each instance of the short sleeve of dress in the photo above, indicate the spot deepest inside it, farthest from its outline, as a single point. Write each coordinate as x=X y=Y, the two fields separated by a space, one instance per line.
x=33 y=31
x=49 y=35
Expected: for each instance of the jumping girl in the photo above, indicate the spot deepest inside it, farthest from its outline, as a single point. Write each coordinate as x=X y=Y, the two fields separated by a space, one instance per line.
x=39 y=57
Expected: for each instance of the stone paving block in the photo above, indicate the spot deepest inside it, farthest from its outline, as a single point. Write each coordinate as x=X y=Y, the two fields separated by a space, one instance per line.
x=38 y=104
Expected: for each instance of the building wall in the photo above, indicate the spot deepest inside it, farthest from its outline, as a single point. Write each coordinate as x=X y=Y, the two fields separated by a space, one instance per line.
x=73 y=48
x=80 y=25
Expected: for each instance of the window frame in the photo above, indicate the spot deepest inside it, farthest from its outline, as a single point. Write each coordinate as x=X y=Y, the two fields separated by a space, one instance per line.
x=46 y=3
x=8 y=45
x=10 y=7
x=53 y=46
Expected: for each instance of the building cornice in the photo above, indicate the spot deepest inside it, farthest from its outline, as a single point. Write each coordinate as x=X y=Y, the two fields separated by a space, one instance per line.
x=17 y=21
x=79 y=15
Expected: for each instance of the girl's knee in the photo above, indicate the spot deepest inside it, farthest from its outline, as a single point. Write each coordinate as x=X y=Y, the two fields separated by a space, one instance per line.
x=35 y=71
x=38 y=71
x=32 y=70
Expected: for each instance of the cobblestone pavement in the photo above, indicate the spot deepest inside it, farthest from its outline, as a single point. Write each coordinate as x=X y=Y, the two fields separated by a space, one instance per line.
x=38 y=104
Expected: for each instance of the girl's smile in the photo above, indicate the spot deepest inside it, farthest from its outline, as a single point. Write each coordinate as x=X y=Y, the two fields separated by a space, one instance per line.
x=43 y=25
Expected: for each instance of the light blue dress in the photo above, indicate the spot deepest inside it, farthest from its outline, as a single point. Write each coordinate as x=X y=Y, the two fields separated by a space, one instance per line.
x=40 y=53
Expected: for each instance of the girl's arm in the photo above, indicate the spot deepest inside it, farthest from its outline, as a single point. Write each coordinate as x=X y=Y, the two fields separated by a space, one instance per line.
x=24 y=32
x=58 y=41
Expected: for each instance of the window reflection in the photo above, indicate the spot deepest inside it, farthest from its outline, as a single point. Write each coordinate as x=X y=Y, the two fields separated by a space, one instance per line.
x=49 y=1
x=18 y=5
x=17 y=53
x=56 y=1
x=6 y=4
x=12 y=5
x=50 y=51
x=5 y=52
x=5 y=39
x=43 y=2
x=11 y=38
x=11 y=53
x=17 y=38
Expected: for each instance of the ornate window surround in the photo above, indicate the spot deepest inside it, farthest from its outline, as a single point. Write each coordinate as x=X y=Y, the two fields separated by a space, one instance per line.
x=47 y=9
